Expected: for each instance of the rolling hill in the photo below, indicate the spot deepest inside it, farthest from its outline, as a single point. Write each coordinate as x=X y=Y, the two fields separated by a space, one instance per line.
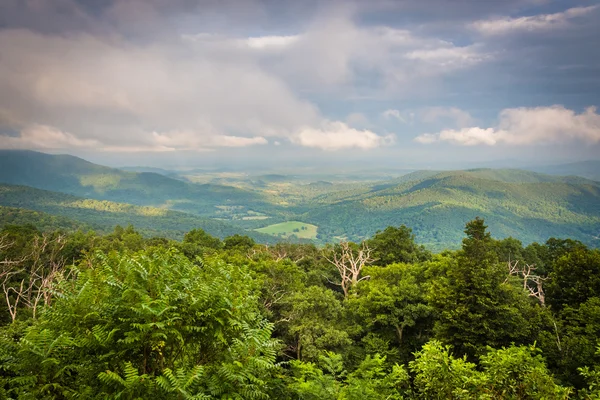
x=522 y=204
x=75 y=176
x=527 y=205
x=70 y=212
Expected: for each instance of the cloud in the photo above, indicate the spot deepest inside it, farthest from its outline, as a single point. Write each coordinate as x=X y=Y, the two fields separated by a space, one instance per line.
x=501 y=26
x=190 y=140
x=527 y=126
x=118 y=94
x=43 y=137
x=330 y=57
x=338 y=135
x=265 y=42
x=450 y=56
x=121 y=89
x=467 y=136
x=389 y=114
x=357 y=119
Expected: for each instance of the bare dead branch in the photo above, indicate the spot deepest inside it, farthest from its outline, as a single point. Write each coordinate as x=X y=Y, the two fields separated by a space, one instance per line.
x=349 y=264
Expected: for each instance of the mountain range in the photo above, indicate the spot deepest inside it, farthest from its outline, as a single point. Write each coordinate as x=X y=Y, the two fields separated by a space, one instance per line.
x=527 y=205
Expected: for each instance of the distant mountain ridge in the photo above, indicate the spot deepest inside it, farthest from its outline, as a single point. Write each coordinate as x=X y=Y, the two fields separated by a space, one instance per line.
x=73 y=175
x=528 y=205
x=588 y=169
x=523 y=204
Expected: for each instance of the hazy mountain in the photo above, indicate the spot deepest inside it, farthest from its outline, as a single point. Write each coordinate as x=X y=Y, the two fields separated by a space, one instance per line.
x=587 y=169
x=523 y=204
x=161 y=171
x=103 y=215
x=73 y=175
x=528 y=205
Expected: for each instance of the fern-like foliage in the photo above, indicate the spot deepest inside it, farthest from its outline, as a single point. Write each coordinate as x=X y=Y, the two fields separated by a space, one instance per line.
x=149 y=325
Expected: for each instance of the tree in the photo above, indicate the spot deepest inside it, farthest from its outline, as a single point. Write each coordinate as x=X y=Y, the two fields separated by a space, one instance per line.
x=202 y=239
x=475 y=307
x=349 y=260
x=392 y=304
x=507 y=373
x=396 y=245
x=238 y=242
x=327 y=379
x=575 y=278
x=311 y=320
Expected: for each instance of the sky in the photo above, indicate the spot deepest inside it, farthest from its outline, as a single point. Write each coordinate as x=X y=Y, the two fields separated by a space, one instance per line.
x=394 y=83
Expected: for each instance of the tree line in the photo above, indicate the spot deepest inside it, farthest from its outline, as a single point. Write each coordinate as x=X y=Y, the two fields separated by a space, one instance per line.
x=93 y=316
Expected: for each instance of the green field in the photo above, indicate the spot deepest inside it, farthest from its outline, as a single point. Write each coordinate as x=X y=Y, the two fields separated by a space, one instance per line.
x=287 y=229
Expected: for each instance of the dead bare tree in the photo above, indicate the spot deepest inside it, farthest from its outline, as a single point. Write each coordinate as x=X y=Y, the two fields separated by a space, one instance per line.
x=532 y=283
x=40 y=269
x=349 y=264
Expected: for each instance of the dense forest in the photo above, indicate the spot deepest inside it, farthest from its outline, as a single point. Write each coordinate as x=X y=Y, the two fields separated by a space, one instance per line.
x=122 y=315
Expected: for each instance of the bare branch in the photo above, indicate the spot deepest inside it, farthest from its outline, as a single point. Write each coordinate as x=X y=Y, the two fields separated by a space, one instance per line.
x=349 y=264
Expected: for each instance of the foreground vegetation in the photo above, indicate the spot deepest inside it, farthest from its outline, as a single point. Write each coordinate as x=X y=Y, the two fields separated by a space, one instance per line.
x=123 y=316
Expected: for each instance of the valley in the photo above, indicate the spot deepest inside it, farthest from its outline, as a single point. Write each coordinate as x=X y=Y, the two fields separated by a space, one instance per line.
x=314 y=206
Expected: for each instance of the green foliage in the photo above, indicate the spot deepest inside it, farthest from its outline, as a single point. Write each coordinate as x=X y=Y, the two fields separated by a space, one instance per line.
x=575 y=278
x=312 y=322
x=519 y=373
x=137 y=318
x=328 y=379
x=592 y=377
x=508 y=373
x=571 y=342
x=128 y=320
x=238 y=242
x=103 y=215
x=392 y=304
x=475 y=307
x=202 y=239
x=396 y=245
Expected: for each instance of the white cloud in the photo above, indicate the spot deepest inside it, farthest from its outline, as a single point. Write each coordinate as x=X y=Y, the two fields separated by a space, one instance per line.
x=208 y=90
x=265 y=42
x=190 y=140
x=465 y=136
x=338 y=135
x=527 y=126
x=507 y=25
x=450 y=56
x=358 y=120
x=389 y=114
x=43 y=137
x=117 y=94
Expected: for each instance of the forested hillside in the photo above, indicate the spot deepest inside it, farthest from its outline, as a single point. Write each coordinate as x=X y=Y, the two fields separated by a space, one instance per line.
x=527 y=205
x=102 y=215
x=121 y=316
x=73 y=175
